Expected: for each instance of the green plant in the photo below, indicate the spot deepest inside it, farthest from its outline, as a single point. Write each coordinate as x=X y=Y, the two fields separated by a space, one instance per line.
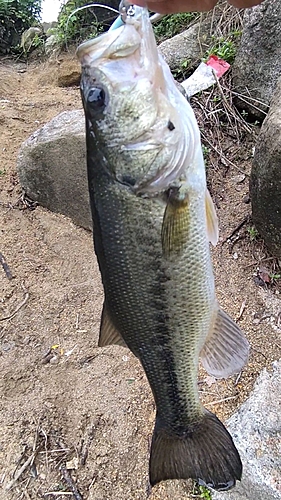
x=75 y=26
x=183 y=71
x=38 y=41
x=205 y=151
x=244 y=114
x=16 y=16
x=201 y=492
x=173 y=24
x=275 y=276
x=253 y=233
x=224 y=47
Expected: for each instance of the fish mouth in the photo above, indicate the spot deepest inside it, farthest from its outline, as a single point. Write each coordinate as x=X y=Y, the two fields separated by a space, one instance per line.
x=118 y=43
x=126 y=61
x=133 y=41
x=110 y=45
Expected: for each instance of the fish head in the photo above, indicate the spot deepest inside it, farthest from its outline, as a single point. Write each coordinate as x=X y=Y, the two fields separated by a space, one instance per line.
x=132 y=106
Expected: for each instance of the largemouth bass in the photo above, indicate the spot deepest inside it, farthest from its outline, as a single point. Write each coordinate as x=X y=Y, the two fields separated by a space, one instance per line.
x=153 y=219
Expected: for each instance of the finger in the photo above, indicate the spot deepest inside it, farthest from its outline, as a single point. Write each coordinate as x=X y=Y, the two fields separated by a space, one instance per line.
x=243 y=4
x=172 y=6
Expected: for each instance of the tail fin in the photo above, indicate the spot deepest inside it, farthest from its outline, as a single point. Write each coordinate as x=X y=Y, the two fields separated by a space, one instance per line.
x=205 y=452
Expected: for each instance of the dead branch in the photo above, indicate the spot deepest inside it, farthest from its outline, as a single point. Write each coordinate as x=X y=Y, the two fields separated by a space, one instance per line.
x=28 y=462
x=21 y=470
x=26 y=297
x=221 y=400
x=69 y=481
x=236 y=229
x=5 y=267
x=242 y=309
x=58 y=493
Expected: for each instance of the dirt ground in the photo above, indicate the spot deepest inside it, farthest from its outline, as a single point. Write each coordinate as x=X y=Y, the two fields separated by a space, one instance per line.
x=74 y=415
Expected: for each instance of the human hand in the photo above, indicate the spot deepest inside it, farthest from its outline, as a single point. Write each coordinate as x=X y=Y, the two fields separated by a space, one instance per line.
x=172 y=6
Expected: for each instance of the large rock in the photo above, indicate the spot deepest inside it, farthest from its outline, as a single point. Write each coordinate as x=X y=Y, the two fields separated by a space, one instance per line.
x=190 y=45
x=256 y=430
x=265 y=183
x=52 y=46
x=182 y=47
x=52 y=167
x=257 y=64
x=28 y=36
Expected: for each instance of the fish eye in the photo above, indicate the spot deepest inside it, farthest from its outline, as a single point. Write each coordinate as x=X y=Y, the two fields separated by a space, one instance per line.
x=96 y=99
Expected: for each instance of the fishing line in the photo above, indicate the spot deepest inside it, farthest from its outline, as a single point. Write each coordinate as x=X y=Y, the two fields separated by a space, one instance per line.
x=107 y=7
x=116 y=24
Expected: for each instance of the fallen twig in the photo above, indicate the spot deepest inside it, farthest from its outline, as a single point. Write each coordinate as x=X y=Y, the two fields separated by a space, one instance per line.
x=238 y=378
x=26 y=297
x=259 y=261
x=58 y=493
x=28 y=462
x=246 y=99
x=26 y=494
x=223 y=157
x=69 y=481
x=236 y=229
x=21 y=470
x=265 y=316
x=5 y=267
x=242 y=309
x=220 y=401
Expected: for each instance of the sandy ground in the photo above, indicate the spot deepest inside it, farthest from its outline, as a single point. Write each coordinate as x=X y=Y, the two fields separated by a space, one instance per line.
x=72 y=413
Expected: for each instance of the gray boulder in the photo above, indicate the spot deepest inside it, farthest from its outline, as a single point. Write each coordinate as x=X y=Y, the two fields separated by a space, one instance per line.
x=52 y=167
x=52 y=46
x=257 y=64
x=190 y=45
x=256 y=430
x=265 y=182
x=182 y=47
x=28 y=37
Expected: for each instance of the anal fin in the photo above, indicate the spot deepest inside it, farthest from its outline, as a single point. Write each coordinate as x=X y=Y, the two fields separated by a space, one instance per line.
x=109 y=335
x=226 y=349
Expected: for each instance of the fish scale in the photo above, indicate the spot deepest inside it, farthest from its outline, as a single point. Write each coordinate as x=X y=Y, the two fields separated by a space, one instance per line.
x=138 y=290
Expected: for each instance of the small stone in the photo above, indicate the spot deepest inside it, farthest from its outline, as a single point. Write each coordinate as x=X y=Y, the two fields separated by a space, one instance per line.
x=7 y=346
x=72 y=464
x=54 y=360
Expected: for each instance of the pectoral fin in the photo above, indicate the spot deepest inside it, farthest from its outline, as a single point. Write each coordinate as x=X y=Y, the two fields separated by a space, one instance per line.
x=212 y=220
x=226 y=349
x=109 y=335
x=175 y=225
